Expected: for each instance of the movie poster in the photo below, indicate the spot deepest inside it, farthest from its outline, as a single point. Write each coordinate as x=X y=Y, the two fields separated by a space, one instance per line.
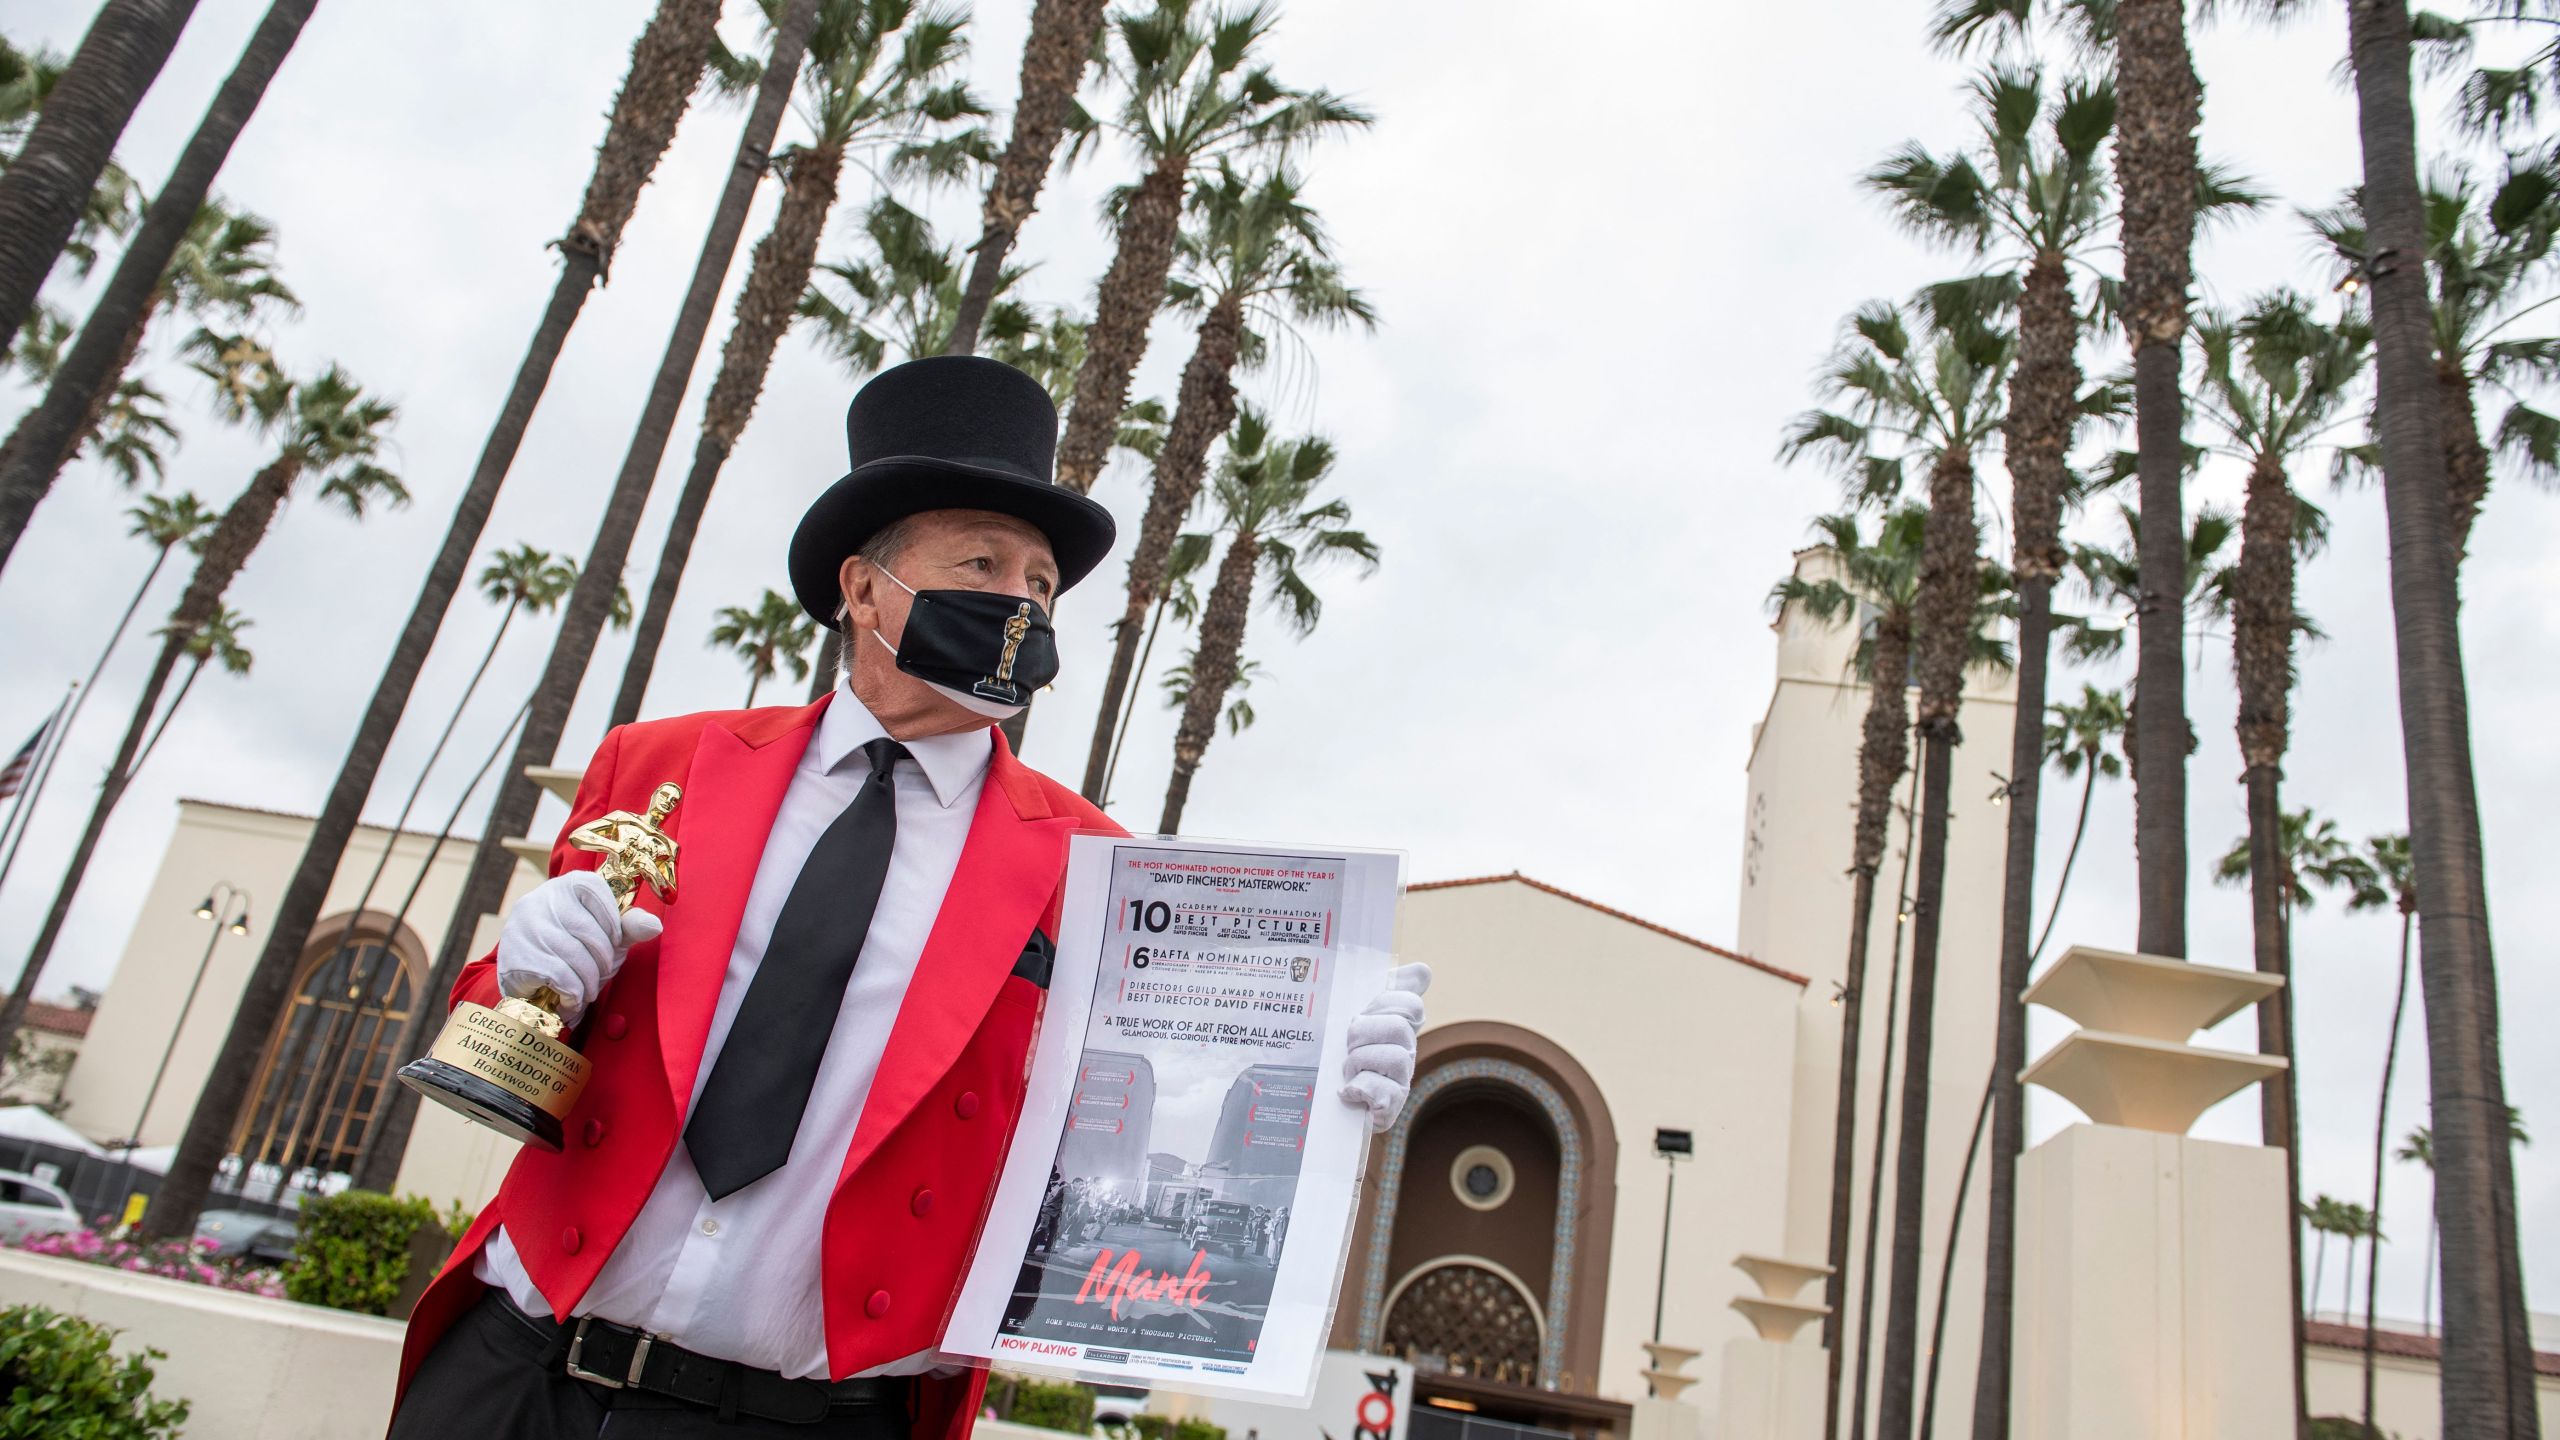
x=1182 y=1181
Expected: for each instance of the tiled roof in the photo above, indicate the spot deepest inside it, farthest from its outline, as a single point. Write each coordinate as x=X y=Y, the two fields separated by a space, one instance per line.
x=1515 y=877
x=2399 y=1343
x=68 y=1020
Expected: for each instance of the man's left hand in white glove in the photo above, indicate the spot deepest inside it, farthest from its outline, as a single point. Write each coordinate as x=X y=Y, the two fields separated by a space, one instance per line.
x=1378 y=1071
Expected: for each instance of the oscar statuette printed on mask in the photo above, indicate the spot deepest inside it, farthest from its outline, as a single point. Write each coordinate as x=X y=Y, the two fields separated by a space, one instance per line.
x=508 y=1066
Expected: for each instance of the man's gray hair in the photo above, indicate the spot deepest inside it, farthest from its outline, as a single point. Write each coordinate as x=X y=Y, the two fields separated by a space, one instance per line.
x=891 y=541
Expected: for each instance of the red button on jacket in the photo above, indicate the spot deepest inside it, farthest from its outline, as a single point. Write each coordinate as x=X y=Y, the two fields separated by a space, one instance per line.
x=616 y=1026
x=922 y=1202
x=570 y=1240
x=877 y=1305
x=966 y=1107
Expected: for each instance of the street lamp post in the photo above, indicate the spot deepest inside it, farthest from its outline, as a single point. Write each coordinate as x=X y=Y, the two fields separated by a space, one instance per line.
x=227 y=907
x=1673 y=1146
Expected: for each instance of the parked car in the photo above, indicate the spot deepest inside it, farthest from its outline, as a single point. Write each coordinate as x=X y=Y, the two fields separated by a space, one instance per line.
x=241 y=1235
x=29 y=1206
x=1222 y=1225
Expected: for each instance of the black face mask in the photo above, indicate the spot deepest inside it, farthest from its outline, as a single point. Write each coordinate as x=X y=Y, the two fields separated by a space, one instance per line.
x=984 y=650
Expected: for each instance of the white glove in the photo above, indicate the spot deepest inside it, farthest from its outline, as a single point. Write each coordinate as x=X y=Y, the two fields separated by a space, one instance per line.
x=1378 y=1070
x=568 y=934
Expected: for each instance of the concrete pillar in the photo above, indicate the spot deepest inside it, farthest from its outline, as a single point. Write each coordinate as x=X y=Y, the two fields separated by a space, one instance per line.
x=1771 y=1384
x=2152 y=1272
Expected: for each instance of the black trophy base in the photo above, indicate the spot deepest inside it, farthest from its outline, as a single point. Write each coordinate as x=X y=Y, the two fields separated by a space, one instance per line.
x=477 y=1100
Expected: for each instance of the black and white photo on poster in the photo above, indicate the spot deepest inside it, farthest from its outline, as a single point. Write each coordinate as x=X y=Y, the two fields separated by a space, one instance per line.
x=1189 y=1136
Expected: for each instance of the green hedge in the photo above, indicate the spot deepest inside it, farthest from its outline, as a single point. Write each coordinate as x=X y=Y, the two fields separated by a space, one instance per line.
x=1067 y=1407
x=1189 y=1427
x=353 y=1252
x=60 y=1380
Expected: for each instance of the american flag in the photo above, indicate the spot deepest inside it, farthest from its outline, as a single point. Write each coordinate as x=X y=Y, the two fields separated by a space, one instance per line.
x=14 y=778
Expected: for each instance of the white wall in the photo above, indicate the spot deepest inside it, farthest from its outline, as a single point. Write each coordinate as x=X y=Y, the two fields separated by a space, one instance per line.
x=1674 y=1035
x=248 y=1366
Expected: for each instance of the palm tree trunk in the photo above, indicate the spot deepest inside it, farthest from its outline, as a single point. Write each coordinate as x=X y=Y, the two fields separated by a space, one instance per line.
x=2079 y=828
x=51 y=177
x=340 y=1035
x=2381 y=1138
x=1129 y=711
x=1884 y=1090
x=776 y=278
x=152 y=742
x=35 y=792
x=1053 y=61
x=1883 y=754
x=55 y=429
x=2319 y=1264
x=386 y=1136
x=591 y=600
x=2042 y=393
x=1203 y=409
x=93 y=409
x=1131 y=290
x=226 y=550
x=1213 y=669
x=2262 y=625
x=2156 y=158
x=1947 y=1260
x=1943 y=617
x=2487 y=1365
x=665 y=65
x=2466 y=460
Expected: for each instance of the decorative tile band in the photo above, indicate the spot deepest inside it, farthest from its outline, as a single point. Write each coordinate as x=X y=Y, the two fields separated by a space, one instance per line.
x=1568 y=1200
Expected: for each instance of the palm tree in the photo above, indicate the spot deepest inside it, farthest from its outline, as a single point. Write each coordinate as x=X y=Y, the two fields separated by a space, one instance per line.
x=328 y=433
x=223 y=273
x=877 y=84
x=2077 y=740
x=386 y=1140
x=1179 y=598
x=1256 y=254
x=1921 y=384
x=73 y=139
x=2327 y=1216
x=666 y=64
x=584 y=616
x=2033 y=207
x=1178 y=684
x=1191 y=91
x=897 y=297
x=1873 y=584
x=2488 y=1353
x=57 y=425
x=2490 y=257
x=218 y=639
x=166 y=522
x=2273 y=382
x=2156 y=167
x=2388 y=855
x=1277 y=533
x=771 y=638
x=1053 y=60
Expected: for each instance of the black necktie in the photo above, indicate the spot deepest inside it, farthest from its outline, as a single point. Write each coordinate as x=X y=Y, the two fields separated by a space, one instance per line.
x=741 y=1129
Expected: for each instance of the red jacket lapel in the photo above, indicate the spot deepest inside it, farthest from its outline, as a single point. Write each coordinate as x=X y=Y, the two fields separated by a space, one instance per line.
x=731 y=794
x=1015 y=855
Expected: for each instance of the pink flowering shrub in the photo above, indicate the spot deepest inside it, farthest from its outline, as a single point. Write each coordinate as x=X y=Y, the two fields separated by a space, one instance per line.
x=170 y=1259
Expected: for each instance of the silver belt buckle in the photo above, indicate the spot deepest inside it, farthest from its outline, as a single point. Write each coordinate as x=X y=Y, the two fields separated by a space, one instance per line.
x=577 y=1349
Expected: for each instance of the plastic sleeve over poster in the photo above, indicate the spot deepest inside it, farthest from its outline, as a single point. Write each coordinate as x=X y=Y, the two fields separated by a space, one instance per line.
x=1176 y=1207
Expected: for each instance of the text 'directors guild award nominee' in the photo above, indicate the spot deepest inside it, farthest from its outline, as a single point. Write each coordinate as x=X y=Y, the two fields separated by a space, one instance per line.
x=1179 y=1196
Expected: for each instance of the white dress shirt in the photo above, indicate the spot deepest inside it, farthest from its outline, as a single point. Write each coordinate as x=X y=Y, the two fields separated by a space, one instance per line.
x=738 y=1278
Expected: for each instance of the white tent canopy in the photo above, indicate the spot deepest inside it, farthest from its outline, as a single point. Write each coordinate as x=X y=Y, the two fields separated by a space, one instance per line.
x=30 y=1122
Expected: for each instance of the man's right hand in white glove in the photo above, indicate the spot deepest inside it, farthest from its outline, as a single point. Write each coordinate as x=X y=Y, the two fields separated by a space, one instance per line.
x=568 y=934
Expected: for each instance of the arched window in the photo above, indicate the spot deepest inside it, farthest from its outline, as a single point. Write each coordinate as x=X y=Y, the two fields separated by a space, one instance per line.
x=334 y=1049
x=1469 y=1316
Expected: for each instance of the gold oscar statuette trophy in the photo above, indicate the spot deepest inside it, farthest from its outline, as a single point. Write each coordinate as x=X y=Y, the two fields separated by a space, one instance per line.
x=506 y=1065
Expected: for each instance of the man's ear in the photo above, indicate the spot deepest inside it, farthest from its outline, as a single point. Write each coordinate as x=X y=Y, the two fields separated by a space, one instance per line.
x=857 y=583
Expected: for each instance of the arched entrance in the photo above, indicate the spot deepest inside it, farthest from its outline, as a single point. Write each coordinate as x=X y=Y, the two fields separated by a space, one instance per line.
x=1483 y=1248
x=334 y=1048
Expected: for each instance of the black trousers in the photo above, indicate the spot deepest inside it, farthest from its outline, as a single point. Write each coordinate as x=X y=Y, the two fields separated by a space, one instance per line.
x=487 y=1380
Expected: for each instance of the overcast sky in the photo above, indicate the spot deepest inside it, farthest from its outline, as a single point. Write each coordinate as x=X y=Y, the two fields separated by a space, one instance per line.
x=1608 y=257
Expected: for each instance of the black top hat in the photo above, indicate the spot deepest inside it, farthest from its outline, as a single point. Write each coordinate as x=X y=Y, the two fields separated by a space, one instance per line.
x=948 y=432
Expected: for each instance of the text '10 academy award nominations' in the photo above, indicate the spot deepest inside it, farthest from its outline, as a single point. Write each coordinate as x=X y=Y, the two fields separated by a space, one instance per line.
x=1179 y=1194
x=508 y=1065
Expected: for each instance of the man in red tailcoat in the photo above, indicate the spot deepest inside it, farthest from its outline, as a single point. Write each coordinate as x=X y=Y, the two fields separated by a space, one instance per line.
x=806 y=1066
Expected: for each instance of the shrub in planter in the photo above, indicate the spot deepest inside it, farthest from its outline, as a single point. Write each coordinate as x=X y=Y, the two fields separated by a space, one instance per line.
x=1067 y=1407
x=1189 y=1427
x=353 y=1252
x=169 y=1259
x=61 y=1380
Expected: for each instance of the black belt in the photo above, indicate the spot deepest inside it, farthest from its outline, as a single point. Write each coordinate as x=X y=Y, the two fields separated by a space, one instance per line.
x=618 y=1357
